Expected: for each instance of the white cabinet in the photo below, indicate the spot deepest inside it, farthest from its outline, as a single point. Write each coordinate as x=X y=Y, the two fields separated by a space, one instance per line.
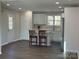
x=39 y=19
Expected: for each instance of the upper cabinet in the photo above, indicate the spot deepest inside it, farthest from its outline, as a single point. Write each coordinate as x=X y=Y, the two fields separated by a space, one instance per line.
x=39 y=19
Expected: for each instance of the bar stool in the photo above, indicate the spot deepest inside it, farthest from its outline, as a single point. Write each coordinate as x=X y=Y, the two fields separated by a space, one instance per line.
x=32 y=37
x=42 y=37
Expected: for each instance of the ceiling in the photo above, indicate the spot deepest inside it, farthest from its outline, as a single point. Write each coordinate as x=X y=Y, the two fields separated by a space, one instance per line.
x=39 y=5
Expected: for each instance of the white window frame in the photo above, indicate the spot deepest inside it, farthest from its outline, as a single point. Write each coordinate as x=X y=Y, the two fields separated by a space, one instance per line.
x=10 y=23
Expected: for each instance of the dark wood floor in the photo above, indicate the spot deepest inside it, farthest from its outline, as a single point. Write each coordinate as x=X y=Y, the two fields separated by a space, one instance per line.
x=21 y=50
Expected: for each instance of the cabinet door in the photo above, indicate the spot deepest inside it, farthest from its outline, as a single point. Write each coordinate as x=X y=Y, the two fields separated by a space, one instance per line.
x=40 y=19
x=35 y=18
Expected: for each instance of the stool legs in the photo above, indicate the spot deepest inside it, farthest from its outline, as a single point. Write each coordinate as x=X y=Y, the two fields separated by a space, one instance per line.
x=31 y=40
x=40 y=41
x=36 y=41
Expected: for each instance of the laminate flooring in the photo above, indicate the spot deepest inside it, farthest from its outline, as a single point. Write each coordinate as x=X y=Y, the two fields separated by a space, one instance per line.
x=21 y=50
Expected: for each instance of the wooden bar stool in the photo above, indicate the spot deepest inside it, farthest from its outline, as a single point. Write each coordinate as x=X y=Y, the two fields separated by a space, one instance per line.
x=42 y=37
x=32 y=37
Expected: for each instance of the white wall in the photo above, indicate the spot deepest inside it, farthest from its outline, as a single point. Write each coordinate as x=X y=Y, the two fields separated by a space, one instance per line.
x=71 y=35
x=0 y=28
x=26 y=24
x=10 y=36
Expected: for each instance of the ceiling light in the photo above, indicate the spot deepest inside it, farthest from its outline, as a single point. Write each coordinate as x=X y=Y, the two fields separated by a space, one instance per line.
x=19 y=8
x=57 y=3
x=60 y=7
x=8 y=4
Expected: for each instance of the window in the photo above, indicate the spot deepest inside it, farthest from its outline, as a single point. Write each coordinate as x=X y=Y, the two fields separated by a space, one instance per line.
x=50 y=20
x=10 y=23
x=57 y=20
x=57 y=23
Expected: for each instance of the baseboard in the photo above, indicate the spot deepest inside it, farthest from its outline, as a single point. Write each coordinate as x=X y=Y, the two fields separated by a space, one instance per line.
x=9 y=42
x=4 y=43
x=24 y=39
